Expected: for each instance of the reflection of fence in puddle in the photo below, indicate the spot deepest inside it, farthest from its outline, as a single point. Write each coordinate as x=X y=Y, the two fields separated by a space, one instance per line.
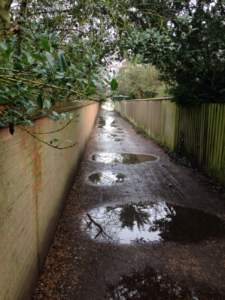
x=155 y=222
x=150 y=284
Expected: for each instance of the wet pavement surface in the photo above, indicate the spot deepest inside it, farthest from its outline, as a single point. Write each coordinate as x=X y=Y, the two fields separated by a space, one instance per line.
x=136 y=226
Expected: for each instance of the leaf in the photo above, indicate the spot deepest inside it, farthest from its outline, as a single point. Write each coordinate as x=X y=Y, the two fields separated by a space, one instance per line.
x=45 y=45
x=52 y=117
x=70 y=115
x=61 y=62
x=50 y=59
x=59 y=75
x=37 y=56
x=114 y=84
x=53 y=101
x=28 y=122
x=47 y=104
x=55 y=114
x=54 y=141
x=5 y=58
x=17 y=66
x=90 y=91
x=40 y=101
x=11 y=128
x=72 y=142
x=3 y=46
x=64 y=116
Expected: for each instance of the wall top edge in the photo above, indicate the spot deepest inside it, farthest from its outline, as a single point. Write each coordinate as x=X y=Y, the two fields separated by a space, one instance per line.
x=60 y=107
x=149 y=99
x=68 y=106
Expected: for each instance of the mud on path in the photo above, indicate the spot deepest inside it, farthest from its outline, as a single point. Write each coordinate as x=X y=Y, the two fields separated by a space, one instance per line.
x=161 y=229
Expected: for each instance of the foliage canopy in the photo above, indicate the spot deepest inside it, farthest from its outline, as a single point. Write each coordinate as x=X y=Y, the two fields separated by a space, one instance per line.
x=54 y=51
x=140 y=81
x=191 y=55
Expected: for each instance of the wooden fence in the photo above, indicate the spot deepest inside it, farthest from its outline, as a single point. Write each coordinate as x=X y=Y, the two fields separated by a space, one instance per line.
x=197 y=133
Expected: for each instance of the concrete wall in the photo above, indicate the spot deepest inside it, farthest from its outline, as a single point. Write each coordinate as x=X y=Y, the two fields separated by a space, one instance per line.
x=35 y=181
x=202 y=129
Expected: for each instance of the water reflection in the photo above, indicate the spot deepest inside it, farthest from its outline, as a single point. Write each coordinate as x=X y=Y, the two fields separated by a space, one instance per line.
x=106 y=122
x=149 y=285
x=107 y=178
x=152 y=221
x=122 y=158
x=131 y=215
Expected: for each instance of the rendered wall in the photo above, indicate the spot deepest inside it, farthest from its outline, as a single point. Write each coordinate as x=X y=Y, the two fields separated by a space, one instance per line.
x=202 y=129
x=35 y=181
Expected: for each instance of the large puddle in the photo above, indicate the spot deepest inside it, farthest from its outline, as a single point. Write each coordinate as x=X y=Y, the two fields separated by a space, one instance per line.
x=107 y=122
x=149 y=285
x=107 y=178
x=150 y=221
x=122 y=158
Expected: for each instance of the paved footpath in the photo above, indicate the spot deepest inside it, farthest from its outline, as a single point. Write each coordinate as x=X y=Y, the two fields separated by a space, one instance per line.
x=136 y=225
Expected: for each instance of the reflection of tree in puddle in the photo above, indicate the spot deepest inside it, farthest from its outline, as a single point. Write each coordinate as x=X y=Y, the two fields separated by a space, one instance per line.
x=123 y=158
x=157 y=222
x=106 y=178
x=106 y=122
x=113 y=135
x=130 y=214
x=149 y=285
x=129 y=158
x=102 y=122
x=120 y=177
x=187 y=225
x=95 y=178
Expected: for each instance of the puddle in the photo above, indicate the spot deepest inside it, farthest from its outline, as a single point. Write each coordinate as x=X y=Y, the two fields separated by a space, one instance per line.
x=107 y=137
x=122 y=158
x=113 y=135
x=113 y=124
x=150 y=285
x=106 y=122
x=107 y=178
x=151 y=221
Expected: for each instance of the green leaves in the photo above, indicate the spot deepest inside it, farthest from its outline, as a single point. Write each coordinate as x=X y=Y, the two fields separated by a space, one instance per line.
x=114 y=84
x=53 y=118
x=50 y=59
x=61 y=62
x=90 y=91
x=54 y=141
x=37 y=56
x=45 y=45
x=40 y=101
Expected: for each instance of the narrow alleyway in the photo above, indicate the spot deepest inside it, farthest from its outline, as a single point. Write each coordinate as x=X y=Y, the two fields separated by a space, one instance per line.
x=136 y=226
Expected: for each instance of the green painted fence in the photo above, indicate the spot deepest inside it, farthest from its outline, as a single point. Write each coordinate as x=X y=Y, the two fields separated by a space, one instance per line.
x=197 y=133
x=203 y=130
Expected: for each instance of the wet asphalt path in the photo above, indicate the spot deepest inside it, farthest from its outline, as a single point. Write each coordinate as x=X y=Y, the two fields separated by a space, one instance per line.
x=160 y=228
